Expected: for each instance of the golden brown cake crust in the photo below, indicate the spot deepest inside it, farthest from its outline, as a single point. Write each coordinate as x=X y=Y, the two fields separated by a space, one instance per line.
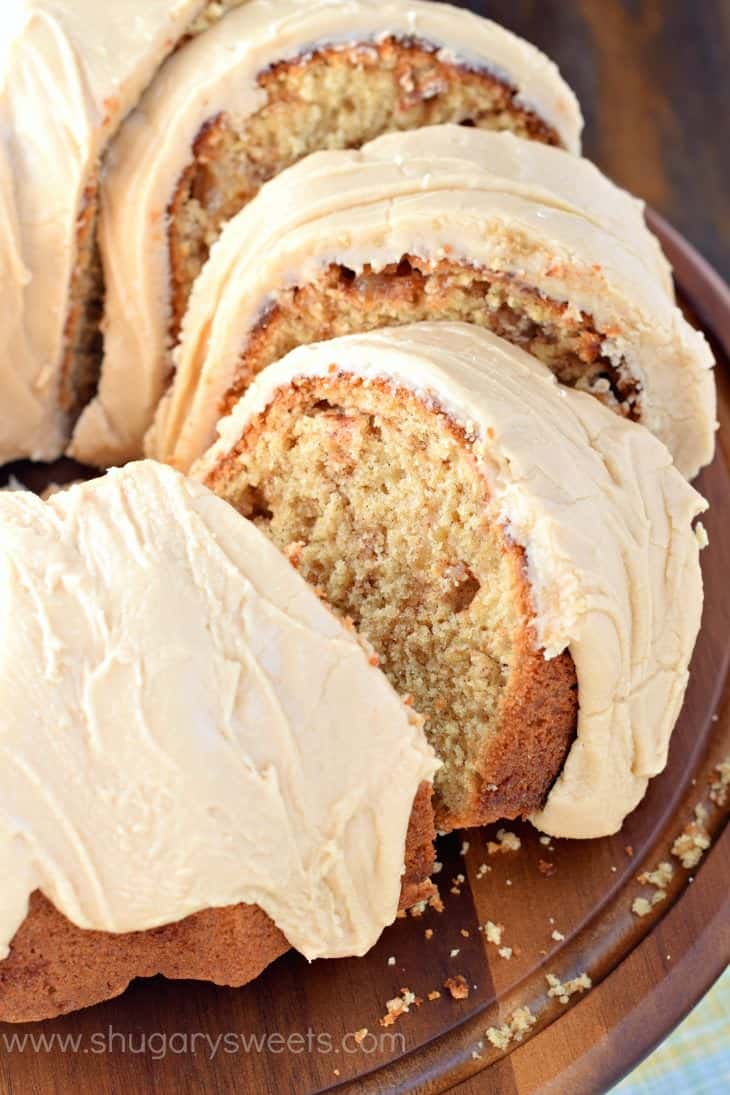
x=54 y=967
x=538 y=713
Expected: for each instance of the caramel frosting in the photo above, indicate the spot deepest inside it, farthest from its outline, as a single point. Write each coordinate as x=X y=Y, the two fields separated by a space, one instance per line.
x=217 y=72
x=525 y=210
x=606 y=523
x=69 y=72
x=186 y=726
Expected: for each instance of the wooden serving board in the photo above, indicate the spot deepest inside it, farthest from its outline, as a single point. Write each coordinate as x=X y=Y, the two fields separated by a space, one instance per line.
x=647 y=972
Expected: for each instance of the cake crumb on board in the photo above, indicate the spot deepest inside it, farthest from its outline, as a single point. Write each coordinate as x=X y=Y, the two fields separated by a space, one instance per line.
x=514 y=1030
x=457 y=986
x=693 y=841
x=506 y=842
x=399 y=1005
x=660 y=877
x=564 y=991
x=720 y=788
x=493 y=932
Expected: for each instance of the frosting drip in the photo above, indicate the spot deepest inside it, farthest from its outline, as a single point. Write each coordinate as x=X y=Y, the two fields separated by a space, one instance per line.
x=185 y=725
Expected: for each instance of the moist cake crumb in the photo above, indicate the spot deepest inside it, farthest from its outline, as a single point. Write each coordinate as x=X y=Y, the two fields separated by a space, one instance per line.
x=693 y=842
x=660 y=877
x=514 y=1030
x=506 y=842
x=563 y=992
x=436 y=903
x=720 y=788
x=398 y=1006
x=457 y=986
x=493 y=932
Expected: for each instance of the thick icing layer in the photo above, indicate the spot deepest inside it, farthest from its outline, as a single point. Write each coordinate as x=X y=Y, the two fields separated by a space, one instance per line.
x=69 y=72
x=217 y=72
x=605 y=520
x=549 y=219
x=185 y=725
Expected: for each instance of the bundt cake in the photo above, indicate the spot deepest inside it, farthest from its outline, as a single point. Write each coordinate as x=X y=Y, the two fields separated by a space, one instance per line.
x=522 y=560
x=455 y=224
x=267 y=85
x=201 y=764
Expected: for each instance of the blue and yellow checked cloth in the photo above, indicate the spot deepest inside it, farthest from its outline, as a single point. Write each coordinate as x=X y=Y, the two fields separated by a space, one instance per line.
x=695 y=1060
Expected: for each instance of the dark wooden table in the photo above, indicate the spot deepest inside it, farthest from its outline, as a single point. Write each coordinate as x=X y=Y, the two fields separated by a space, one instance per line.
x=653 y=80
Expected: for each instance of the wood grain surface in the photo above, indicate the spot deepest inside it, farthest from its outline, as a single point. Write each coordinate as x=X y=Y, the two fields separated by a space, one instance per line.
x=652 y=77
x=647 y=972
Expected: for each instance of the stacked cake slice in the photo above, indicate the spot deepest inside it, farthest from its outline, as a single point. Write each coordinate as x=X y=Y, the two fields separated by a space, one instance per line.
x=94 y=218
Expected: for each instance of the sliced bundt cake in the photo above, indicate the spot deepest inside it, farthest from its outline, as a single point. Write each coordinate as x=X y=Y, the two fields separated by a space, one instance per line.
x=268 y=84
x=522 y=560
x=202 y=765
x=445 y=223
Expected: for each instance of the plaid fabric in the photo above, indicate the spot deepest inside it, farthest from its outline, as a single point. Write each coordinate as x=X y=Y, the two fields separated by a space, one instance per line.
x=695 y=1059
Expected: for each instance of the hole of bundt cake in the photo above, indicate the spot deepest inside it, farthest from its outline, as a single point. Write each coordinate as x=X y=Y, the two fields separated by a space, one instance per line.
x=412 y=290
x=330 y=98
x=378 y=506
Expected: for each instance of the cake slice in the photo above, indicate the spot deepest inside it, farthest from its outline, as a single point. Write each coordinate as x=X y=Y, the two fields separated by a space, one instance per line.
x=445 y=224
x=201 y=765
x=522 y=560
x=69 y=72
x=246 y=99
